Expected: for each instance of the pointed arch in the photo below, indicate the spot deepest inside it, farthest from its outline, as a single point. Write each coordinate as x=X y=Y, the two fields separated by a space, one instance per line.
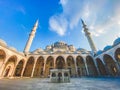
x=111 y=65
x=2 y=57
x=117 y=55
x=60 y=62
x=91 y=66
x=101 y=67
x=49 y=65
x=9 y=66
x=81 y=70
x=71 y=65
x=29 y=67
x=39 y=67
x=19 y=68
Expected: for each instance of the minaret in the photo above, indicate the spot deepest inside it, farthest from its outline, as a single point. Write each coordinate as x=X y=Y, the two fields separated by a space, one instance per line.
x=31 y=37
x=88 y=35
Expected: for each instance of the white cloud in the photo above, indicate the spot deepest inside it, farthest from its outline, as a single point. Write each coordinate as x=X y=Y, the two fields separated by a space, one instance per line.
x=101 y=16
x=63 y=2
x=58 y=24
x=68 y=19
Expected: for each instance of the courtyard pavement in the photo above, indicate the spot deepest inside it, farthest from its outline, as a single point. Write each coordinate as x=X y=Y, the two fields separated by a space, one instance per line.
x=75 y=84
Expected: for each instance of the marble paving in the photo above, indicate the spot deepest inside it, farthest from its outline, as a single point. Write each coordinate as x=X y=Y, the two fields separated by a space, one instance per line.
x=75 y=84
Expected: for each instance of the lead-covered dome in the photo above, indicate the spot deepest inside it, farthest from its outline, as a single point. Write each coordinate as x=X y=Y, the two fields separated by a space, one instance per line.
x=60 y=44
x=99 y=52
x=117 y=41
x=107 y=47
x=12 y=48
x=2 y=42
x=82 y=50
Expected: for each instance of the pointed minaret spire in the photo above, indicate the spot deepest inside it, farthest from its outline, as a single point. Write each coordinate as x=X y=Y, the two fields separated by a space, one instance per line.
x=84 y=25
x=31 y=37
x=88 y=35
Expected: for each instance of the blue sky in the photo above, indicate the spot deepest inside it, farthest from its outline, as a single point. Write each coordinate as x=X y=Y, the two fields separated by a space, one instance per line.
x=59 y=20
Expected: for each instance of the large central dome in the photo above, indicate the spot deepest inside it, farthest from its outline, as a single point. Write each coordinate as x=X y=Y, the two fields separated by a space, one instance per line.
x=60 y=44
x=60 y=47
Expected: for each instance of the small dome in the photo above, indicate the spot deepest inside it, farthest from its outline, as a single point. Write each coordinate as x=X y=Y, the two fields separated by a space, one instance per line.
x=48 y=47
x=38 y=50
x=12 y=48
x=81 y=49
x=117 y=41
x=2 y=42
x=21 y=53
x=107 y=47
x=99 y=52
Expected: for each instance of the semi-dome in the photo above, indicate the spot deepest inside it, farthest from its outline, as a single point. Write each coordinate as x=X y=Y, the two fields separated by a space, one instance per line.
x=116 y=41
x=2 y=42
x=107 y=47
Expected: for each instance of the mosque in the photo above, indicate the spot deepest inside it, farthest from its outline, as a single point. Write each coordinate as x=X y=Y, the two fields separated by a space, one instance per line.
x=79 y=61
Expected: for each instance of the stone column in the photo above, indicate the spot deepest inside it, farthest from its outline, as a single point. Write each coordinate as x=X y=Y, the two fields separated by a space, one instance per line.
x=97 y=68
x=76 y=68
x=13 y=72
x=66 y=66
x=23 y=69
x=3 y=66
x=2 y=69
x=44 y=68
x=54 y=64
x=33 y=68
x=86 y=68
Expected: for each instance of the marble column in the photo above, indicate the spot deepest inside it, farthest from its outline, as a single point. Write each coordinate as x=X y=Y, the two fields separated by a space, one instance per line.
x=86 y=68
x=76 y=68
x=3 y=66
x=33 y=68
x=23 y=69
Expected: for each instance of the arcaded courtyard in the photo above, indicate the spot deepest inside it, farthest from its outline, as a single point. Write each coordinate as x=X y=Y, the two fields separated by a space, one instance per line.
x=75 y=84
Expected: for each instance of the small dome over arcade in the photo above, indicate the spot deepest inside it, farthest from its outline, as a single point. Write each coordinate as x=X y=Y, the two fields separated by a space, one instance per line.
x=82 y=50
x=107 y=48
x=99 y=52
x=38 y=50
x=2 y=42
x=117 y=41
x=12 y=48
